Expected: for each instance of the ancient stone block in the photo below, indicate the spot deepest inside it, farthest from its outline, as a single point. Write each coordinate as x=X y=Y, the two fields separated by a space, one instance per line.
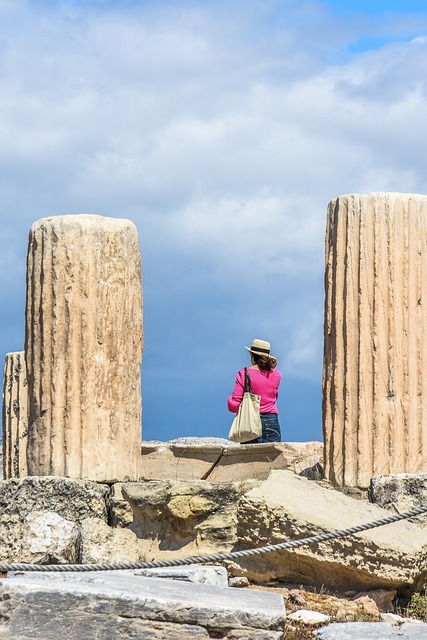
x=48 y=538
x=83 y=348
x=71 y=499
x=224 y=462
x=164 y=461
x=400 y=492
x=179 y=519
x=203 y=574
x=14 y=416
x=182 y=519
x=375 y=342
x=123 y=606
x=101 y=544
x=256 y=461
x=289 y=507
x=213 y=575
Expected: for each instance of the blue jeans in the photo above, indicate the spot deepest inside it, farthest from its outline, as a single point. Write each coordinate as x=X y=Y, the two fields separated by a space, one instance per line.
x=270 y=429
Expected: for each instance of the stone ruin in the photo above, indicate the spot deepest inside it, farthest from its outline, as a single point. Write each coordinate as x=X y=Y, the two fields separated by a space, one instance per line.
x=375 y=337
x=79 y=413
x=72 y=399
x=15 y=416
x=72 y=443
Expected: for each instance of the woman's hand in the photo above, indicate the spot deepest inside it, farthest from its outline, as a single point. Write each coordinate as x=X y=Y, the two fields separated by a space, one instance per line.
x=273 y=361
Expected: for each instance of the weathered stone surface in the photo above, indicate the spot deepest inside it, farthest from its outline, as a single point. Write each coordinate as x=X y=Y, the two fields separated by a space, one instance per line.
x=15 y=416
x=288 y=507
x=178 y=461
x=256 y=461
x=100 y=544
x=380 y=600
x=374 y=418
x=240 y=582
x=124 y=606
x=204 y=440
x=400 y=492
x=83 y=348
x=216 y=462
x=373 y=631
x=213 y=575
x=121 y=514
x=48 y=538
x=179 y=518
x=74 y=500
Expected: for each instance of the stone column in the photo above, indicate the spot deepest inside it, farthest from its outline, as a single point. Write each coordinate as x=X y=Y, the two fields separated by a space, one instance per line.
x=84 y=347
x=14 y=416
x=375 y=341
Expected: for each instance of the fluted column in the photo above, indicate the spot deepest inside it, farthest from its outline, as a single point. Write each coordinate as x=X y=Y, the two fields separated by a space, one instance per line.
x=14 y=416
x=375 y=340
x=84 y=347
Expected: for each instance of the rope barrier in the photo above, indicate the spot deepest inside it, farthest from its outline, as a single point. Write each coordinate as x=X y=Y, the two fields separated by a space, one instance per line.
x=282 y=546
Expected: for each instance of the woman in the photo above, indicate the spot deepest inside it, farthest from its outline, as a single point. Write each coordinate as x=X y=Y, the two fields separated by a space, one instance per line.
x=265 y=382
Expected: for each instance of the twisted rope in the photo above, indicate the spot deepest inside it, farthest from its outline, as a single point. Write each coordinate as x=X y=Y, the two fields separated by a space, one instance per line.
x=293 y=544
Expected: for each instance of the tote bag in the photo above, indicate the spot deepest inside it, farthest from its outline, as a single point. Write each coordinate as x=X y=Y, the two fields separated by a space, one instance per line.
x=247 y=423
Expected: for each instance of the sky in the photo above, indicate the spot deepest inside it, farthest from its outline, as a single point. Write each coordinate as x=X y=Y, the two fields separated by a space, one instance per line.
x=222 y=129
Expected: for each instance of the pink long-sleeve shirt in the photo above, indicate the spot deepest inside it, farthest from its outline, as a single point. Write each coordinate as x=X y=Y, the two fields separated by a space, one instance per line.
x=264 y=384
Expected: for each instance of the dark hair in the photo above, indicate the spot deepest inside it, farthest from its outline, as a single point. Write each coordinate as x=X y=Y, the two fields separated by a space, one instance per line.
x=265 y=363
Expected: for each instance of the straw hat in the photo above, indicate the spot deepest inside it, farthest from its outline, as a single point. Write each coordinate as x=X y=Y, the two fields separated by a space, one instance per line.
x=260 y=348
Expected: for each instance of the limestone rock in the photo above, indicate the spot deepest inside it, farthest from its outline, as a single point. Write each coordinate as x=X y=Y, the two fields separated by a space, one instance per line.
x=213 y=575
x=239 y=582
x=189 y=459
x=74 y=500
x=15 y=416
x=179 y=461
x=125 y=606
x=179 y=518
x=83 y=348
x=101 y=544
x=392 y=618
x=368 y=605
x=256 y=461
x=380 y=600
x=374 y=385
x=285 y=508
x=400 y=492
x=203 y=441
x=312 y=618
x=121 y=514
x=48 y=538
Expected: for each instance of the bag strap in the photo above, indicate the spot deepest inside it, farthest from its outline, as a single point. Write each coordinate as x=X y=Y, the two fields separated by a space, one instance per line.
x=248 y=385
